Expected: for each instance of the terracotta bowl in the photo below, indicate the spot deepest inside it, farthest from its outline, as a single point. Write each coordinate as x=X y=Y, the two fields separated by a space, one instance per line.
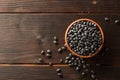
x=73 y=52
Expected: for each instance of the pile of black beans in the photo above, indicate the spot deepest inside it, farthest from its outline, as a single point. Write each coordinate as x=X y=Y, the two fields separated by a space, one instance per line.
x=84 y=37
x=80 y=65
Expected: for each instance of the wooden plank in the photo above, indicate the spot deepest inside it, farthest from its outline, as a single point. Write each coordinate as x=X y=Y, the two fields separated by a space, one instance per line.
x=104 y=73
x=18 y=34
x=82 y=6
x=36 y=73
x=49 y=73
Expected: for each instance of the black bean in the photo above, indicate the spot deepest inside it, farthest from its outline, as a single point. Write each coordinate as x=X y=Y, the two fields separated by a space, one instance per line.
x=75 y=64
x=92 y=76
x=38 y=37
x=77 y=58
x=58 y=70
x=88 y=65
x=83 y=73
x=84 y=66
x=70 y=64
x=69 y=61
x=55 y=42
x=59 y=50
x=73 y=58
x=55 y=38
x=67 y=58
x=40 y=60
x=61 y=61
x=63 y=48
x=48 y=55
x=70 y=55
x=117 y=21
x=49 y=51
x=77 y=68
x=92 y=71
x=65 y=45
x=60 y=75
x=66 y=61
x=42 y=52
x=82 y=61
x=107 y=19
x=79 y=65
x=37 y=61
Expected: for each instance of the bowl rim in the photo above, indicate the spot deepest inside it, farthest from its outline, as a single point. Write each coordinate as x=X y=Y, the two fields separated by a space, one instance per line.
x=73 y=52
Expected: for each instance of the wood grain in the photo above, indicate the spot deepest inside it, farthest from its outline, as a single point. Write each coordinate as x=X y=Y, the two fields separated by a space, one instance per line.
x=36 y=73
x=49 y=73
x=82 y=6
x=18 y=34
x=21 y=21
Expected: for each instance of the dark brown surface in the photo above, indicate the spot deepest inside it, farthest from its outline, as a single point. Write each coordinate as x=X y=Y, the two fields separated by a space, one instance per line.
x=36 y=72
x=18 y=36
x=83 y=6
x=22 y=21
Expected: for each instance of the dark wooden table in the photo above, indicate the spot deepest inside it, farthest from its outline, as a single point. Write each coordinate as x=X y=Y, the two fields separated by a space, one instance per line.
x=21 y=21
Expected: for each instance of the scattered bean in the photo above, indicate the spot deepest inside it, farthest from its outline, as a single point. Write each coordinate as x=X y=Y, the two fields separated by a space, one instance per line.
x=48 y=55
x=58 y=70
x=42 y=52
x=107 y=19
x=60 y=75
x=55 y=42
x=55 y=38
x=92 y=76
x=49 y=51
x=63 y=48
x=117 y=21
x=59 y=50
x=61 y=61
